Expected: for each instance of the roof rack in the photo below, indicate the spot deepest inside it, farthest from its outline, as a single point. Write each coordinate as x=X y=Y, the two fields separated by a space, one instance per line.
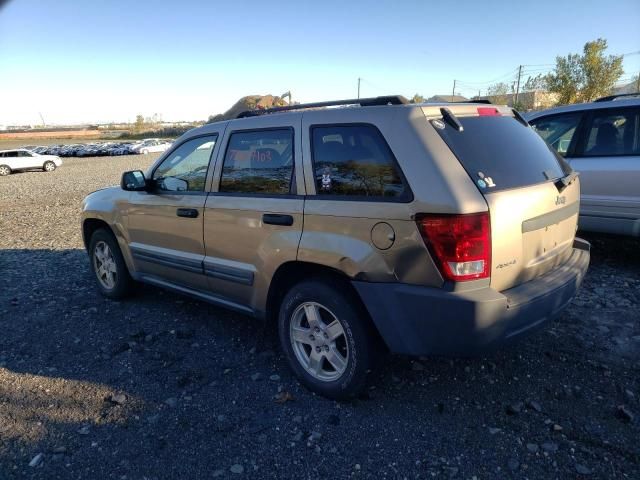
x=485 y=101
x=613 y=97
x=363 y=102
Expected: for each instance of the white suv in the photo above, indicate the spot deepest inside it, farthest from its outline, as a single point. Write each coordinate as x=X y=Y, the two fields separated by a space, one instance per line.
x=152 y=145
x=21 y=159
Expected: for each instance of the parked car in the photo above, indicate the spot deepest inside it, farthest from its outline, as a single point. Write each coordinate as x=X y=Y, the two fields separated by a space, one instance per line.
x=21 y=159
x=418 y=229
x=600 y=140
x=153 y=145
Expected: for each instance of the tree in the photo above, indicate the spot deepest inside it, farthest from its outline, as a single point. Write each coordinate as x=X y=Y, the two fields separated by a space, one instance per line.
x=139 y=125
x=417 y=99
x=499 y=92
x=535 y=83
x=583 y=78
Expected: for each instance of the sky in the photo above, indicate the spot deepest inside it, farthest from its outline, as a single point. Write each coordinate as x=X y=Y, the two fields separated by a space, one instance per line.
x=101 y=61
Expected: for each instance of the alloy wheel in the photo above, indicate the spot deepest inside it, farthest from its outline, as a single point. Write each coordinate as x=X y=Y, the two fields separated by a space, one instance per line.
x=319 y=341
x=105 y=265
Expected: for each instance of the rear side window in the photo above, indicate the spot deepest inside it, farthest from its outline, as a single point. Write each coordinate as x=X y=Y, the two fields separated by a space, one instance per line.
x=500 y=153
x=557 y=130
x=355 y=160
x=258 y=162
x=613 y=133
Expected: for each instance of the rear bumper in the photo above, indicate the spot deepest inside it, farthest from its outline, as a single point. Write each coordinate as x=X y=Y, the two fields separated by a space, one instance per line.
x=417 y=320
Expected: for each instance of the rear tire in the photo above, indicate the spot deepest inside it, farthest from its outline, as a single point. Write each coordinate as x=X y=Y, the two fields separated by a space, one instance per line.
x=107 y=264
x=5 y=170
x=327 y=339
x=49 y=166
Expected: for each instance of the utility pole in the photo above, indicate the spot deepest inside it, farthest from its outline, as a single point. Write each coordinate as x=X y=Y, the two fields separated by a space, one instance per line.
x=638 y=83
x=359 y=88
x=515 y=103
x=453 y=92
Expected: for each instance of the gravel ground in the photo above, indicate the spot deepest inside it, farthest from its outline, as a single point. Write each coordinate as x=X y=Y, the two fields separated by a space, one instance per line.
x=161 y=386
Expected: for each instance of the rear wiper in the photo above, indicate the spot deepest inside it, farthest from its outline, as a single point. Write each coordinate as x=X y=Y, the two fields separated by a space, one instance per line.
x=564 y=182
x=451 y=119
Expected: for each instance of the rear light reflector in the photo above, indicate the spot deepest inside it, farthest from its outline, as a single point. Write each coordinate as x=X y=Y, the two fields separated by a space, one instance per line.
x=459 y=244
x=488 y=112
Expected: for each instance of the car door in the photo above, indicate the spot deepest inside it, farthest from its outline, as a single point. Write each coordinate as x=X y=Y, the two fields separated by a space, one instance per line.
x=253 y=217
x=607 y=155
x=165 y=224
x=25 y=159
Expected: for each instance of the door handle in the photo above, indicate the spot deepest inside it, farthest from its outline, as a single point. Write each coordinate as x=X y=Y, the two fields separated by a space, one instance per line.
x=276 y=219
x=187 y=212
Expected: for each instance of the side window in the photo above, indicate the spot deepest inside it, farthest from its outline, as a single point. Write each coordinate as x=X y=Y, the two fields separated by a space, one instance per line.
x=612 y=133
x=354 y=160
x=11 y=154
x=557 y=130
x=185 y=169
x=258 y=161
x=22 y=153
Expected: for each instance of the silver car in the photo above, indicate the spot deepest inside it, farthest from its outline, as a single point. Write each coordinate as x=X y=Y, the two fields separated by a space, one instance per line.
x=601 y=141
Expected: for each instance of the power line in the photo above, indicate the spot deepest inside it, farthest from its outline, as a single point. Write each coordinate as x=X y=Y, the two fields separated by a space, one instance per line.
x=510 y=73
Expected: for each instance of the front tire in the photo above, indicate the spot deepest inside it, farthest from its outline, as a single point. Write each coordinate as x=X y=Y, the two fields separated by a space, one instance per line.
x=107 y=264
x=327 y=339
x=49 y=166
x=5 y=170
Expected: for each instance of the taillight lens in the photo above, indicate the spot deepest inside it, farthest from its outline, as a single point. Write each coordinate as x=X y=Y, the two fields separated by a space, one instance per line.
x=460 y=244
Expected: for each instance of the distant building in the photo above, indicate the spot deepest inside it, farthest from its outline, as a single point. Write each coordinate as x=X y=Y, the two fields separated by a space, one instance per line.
x=631 y=87
x=446 y=98
x=533 y=100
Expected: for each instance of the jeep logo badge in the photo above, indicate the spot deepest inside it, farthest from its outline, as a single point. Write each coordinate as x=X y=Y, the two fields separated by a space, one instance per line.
x=561 y=200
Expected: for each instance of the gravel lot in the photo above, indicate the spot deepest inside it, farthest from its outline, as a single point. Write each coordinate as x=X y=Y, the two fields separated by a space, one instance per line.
x=161 y=386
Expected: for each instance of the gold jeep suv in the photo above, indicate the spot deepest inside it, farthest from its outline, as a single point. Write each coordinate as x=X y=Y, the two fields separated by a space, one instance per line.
x=379 y=225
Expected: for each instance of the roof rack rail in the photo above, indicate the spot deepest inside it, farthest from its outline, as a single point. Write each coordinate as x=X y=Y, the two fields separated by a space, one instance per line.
x=480 y=100
x=363 y=102
x=613 y=97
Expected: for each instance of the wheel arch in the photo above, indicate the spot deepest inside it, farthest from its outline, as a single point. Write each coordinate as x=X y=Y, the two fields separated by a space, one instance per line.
x=89 y=226
x=290 y=273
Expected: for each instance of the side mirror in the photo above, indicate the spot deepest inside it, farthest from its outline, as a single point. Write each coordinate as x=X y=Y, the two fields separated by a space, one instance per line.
x=133 y=181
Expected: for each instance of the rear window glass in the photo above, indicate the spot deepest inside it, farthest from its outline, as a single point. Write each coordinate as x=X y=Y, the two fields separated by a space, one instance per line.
x=500 y=153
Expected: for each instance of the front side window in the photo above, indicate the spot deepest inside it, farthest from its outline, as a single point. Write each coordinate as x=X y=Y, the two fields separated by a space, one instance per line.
x=557 y=130
x=258 y=162
x=613 y=134
x=23 y=153
x=185 y=169
x=354 y=160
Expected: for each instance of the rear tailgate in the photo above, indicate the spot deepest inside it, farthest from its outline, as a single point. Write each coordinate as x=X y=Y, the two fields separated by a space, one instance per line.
x=533 y=216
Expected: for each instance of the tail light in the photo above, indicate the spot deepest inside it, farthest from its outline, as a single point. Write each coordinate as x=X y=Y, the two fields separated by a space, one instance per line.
x=460 y=244
x=488 y=112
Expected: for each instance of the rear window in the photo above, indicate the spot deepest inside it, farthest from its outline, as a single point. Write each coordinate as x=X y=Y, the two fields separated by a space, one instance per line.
x=500 y=153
